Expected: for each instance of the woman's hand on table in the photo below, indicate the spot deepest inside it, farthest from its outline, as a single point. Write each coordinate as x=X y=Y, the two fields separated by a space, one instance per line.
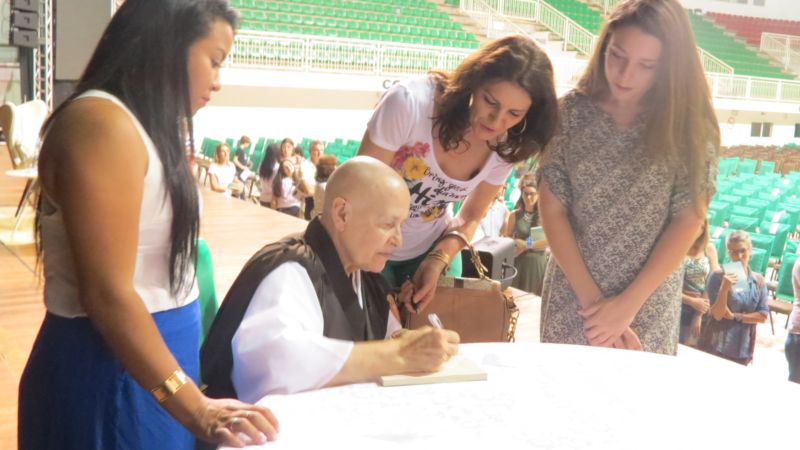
x=606 y=320
x=224 y=421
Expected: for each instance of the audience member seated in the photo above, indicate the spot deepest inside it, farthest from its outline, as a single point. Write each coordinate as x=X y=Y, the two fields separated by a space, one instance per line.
x=700 y=260
x=325 y=167
x=495 y=220
x=735 y=311
x=793 y=338
x=315 y=150
x=287 y=148
x=242 y=158
x=266 y=174
x=531 y=260
x=222 y=171
x=298 y=315
x=284 y=190
x=304 y=175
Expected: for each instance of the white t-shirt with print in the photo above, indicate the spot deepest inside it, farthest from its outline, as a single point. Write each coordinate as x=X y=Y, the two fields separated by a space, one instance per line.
x=402 y=122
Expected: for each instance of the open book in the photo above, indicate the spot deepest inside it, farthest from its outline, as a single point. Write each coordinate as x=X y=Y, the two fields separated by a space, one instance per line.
x=458 y=368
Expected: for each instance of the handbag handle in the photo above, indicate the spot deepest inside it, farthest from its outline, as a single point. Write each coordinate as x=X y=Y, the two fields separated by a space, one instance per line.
x=476 y=261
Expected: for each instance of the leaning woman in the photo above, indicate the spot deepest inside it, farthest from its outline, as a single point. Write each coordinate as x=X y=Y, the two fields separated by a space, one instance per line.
x=455 y=136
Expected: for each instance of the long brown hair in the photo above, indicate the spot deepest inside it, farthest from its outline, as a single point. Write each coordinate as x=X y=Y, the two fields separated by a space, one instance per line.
x=681 y=124
x=517 y=59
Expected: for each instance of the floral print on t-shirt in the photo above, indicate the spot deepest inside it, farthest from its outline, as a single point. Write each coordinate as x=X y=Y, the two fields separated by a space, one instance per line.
x=430 y=194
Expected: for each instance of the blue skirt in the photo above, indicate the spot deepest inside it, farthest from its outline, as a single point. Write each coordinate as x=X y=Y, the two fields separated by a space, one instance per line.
x=74 y=394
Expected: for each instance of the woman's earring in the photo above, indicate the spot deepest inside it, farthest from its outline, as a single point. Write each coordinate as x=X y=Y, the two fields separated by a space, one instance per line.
x=470 y=100
x=524 y=126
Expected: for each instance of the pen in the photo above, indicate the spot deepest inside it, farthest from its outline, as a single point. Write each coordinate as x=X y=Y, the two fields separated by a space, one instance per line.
x=433 y=318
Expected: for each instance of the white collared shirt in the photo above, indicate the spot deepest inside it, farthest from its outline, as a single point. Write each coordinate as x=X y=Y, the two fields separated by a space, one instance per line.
x=279 y=347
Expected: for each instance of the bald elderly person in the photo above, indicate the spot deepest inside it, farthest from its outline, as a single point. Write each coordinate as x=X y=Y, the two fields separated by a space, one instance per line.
x=312 y=310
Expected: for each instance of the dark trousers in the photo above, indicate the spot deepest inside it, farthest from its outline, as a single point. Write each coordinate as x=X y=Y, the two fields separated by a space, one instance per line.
x=793 y=356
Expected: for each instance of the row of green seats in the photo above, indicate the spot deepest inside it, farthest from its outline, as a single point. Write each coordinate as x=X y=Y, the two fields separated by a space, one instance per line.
x=744 y=61
x=342 y=52
x=426 y=30
x=344 y=5
x=331 y=13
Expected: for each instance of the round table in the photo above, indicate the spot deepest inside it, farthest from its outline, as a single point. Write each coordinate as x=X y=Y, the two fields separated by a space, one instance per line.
x=551 y=396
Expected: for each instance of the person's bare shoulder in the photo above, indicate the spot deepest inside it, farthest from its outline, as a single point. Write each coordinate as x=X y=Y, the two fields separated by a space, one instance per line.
x=92 y=131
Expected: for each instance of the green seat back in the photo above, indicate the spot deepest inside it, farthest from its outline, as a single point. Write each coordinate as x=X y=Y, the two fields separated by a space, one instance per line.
x=784 y=291
x=205 y=284
x=747 y=223
x=780 y=231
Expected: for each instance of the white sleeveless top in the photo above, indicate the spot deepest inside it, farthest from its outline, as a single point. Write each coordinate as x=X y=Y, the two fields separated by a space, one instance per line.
x=151 y=274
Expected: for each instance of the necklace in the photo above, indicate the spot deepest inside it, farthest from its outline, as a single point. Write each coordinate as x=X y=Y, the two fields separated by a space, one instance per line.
x=527 y=216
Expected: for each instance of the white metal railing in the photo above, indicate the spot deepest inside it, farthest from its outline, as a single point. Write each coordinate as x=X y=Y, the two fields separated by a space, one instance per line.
x=490 y=19
x=538 y=11
x=783 y=48
x=570 y=31
x=253 y=49
x=321 y=54
x=753 y=88
x=607 y=5
x=713 y=64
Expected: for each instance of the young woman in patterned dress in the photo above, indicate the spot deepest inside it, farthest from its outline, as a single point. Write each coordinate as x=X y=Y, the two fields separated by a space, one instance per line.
x=625 y=184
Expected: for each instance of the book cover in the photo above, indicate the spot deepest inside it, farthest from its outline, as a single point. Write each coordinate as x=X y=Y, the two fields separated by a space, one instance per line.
x=737 y=269
x=537 y=233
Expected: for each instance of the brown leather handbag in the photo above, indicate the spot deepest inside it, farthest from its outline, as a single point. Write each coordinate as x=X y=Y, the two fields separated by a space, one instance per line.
x=476 y=308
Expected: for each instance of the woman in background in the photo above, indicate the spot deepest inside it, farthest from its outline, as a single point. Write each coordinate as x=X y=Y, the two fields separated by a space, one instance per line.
x=530 y=258
x=222 y=171
x=697 y=264
x=735 y=311
x=325 y=167
x=266 y=174
x=284 y=190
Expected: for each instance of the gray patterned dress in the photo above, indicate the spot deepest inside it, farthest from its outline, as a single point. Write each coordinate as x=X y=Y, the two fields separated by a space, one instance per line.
x=619 y=202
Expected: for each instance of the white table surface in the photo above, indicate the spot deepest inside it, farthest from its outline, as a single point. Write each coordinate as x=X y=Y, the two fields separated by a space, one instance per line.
x=549 y=396
x=28 y=172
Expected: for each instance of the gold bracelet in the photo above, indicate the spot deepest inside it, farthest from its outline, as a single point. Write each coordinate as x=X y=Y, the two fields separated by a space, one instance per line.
x=439 y=255
x=461 y=236
x=170 y=386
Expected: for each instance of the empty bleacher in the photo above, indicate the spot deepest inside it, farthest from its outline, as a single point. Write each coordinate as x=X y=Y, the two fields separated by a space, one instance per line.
x=579 y=12
x=401 y=21
x=744 y=61
x=750 y=28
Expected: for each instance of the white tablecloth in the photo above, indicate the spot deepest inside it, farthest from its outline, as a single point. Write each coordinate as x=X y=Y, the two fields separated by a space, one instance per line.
x=547 y=396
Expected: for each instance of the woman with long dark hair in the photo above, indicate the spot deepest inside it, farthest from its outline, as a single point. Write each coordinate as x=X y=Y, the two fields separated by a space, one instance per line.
x=625 y=184
x=116 y=359
x=454 y=136
x=266 y=174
